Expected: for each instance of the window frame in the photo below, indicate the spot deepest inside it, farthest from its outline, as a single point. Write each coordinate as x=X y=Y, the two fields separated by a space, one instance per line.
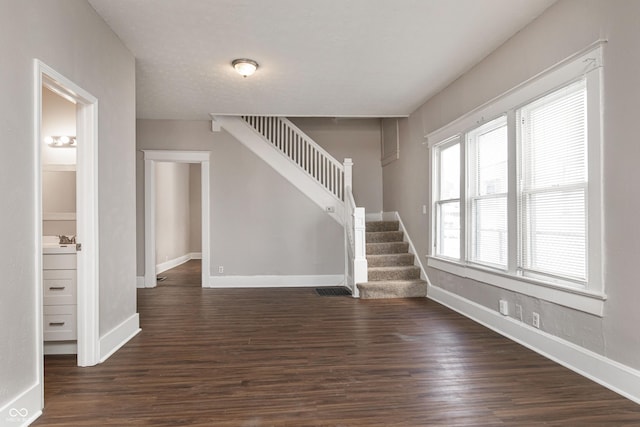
x=438 y=202
x=471 y=196
x=586 y=64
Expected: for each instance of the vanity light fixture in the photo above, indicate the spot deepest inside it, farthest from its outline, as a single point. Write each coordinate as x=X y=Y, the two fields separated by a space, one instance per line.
x=60 y=141
x=245 y=67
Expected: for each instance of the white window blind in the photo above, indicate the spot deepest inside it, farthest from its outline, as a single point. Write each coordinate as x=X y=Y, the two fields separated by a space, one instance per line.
x=553 y=185
x=447 y=204
x=487 y=191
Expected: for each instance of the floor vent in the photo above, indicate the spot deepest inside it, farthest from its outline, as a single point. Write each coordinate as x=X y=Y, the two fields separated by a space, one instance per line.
x=333 y=292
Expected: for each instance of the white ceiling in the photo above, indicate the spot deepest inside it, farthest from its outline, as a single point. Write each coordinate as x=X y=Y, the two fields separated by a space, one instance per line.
x=331 y=58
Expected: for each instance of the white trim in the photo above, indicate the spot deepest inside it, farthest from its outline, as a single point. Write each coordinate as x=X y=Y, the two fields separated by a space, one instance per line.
x=28 y=404
x=87 y=230
x=140 y=282
x=604 y=371
x=60 y=347
x=172 y=263
x=286 y=167
x=580 y=63
x=58 y=216
x=113 y=340
x=412 y=249
x=275 y=281
x=577 y=299
x=150 y=159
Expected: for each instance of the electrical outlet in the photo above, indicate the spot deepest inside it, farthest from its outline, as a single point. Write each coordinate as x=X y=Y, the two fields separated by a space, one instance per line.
x=331 y=209
x=220 y=269
x=519 y=312
x=504 y=307
x=536 y=320
x=424 y=209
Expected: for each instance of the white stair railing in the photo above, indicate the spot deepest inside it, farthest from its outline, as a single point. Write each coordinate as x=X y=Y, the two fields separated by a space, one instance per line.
x=355 y=236
x=304 y=152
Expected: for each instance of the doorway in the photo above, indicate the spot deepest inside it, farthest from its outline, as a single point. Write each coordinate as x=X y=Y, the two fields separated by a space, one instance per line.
x=178 y=219
x=86 y=217
x=151 y=160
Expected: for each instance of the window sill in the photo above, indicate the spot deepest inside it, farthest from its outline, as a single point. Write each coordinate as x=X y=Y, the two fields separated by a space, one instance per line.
x=578 y=299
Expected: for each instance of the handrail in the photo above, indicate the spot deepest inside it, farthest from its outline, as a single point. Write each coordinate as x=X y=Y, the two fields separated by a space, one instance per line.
x=301 y=150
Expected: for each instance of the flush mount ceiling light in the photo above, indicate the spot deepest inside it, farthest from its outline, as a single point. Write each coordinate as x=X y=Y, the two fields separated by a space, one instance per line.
x=245 y=67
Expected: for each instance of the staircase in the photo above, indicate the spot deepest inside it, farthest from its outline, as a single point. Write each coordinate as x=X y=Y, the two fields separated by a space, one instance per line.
x=391 y=270
x=295 y=156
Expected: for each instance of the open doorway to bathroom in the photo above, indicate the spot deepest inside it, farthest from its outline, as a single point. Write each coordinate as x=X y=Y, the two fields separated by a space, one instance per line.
x=66 y=194
x=59 y=214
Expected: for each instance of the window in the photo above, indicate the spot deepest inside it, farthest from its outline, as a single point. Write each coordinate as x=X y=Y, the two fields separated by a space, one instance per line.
x=448 y=204
x=553 y=185
x=487 y=193
x=517 y=198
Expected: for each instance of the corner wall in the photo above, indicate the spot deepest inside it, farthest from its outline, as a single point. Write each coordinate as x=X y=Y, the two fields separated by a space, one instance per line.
x=565 y=28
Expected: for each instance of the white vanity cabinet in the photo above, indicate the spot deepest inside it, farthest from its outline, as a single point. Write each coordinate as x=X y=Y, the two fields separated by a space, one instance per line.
x=59 y=280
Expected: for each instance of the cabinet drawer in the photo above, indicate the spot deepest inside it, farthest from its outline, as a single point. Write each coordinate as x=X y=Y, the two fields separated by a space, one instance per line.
x=59 y=262
x=59 y=287
x=59 y=323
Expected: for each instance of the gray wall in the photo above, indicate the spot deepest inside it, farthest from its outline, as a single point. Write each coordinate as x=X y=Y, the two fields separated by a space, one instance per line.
x=173 y=211
x=260 y=223
x=195 y=208
x=565 y=28
x=70 y=37
x=358 y=139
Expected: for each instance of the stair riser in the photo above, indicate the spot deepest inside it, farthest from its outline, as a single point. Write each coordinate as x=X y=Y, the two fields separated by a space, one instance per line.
x=409 y=290
x=384 y=236
x=390 y=260
x=383 y=226
x=387 y=248
x=409 y=273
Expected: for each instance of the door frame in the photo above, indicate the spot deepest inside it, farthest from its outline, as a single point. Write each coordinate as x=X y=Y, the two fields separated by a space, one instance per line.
x=174 y=156
x=88 y=352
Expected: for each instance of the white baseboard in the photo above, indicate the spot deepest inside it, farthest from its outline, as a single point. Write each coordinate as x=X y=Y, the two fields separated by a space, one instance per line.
x=113 y=340
x=172 y=263
x=606 y=372
x=60 y=347
x=24 y=409
x=140 y=282
x=412 y=249
x=275 y=281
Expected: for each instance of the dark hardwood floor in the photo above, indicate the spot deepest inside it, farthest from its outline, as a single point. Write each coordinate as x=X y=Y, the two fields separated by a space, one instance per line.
x=288 y=357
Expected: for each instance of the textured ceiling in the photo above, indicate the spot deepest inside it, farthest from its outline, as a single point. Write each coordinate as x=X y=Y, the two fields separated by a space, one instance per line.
x=332 y=58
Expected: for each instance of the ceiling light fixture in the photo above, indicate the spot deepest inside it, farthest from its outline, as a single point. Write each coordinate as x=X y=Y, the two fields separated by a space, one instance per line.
x=245 y=67
x=61 y=141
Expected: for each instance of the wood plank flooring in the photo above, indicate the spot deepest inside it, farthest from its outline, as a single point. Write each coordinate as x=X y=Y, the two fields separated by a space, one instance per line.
x=288 y=357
